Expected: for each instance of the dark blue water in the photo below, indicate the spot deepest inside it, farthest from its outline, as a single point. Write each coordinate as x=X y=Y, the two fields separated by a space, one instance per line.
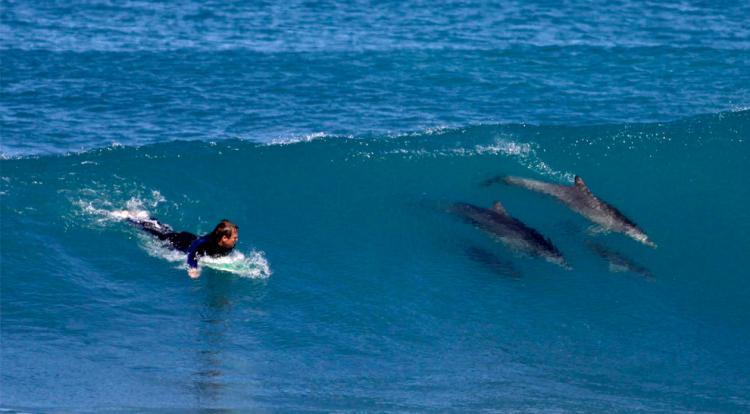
x=337 y=136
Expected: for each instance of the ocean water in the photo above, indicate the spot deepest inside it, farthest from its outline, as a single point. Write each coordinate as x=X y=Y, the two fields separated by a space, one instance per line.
x=337 y=135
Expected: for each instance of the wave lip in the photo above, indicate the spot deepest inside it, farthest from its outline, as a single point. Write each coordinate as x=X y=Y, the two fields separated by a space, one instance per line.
x=474 y=139
x=297 y=139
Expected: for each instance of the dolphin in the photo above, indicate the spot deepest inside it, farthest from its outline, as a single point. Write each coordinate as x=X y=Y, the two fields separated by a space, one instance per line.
x=618 y=262
x=579 y=198
x=510 y=231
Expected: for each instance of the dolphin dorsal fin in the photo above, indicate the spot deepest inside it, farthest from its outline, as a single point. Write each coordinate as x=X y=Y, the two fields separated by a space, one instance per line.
x=581 y=185
x=498 y=208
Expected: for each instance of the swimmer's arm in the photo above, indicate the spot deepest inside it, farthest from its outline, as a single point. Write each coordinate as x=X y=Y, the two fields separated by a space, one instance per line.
x=192 y=261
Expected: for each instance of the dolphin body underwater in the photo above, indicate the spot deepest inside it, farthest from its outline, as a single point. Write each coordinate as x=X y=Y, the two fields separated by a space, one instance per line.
x=617 y=262
x=579 y=198
x=492 y=262
x=510 y=231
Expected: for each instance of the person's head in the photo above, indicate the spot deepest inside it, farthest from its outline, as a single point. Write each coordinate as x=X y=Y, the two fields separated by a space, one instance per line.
x=225 y=234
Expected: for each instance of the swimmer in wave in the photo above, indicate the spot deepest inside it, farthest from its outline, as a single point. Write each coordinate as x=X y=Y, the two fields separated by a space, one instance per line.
x=220 y=242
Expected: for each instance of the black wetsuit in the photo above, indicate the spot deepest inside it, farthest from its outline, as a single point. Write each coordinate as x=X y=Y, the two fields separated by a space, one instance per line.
x=184 y=241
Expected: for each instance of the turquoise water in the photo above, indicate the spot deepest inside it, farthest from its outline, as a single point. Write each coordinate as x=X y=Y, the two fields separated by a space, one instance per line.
x=337 y=137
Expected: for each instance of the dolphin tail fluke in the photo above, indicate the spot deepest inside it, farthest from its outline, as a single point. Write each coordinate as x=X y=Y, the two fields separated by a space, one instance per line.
x=534 y=185
x=511 y=180
x=493 y=180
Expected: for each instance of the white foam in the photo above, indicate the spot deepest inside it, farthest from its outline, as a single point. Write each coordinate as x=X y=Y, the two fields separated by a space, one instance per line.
x=253 y=266
x=101 y=206
x=434 y=130
x=133 y=210
x=525 y=154
x=298 y=139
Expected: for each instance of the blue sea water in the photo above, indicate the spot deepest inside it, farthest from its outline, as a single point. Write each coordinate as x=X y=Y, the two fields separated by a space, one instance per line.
x=337 y=135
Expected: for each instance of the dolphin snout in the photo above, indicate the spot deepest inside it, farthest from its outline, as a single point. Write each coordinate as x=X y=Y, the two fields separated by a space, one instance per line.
x=560 y=261
x=642 y=237
x=645 y=240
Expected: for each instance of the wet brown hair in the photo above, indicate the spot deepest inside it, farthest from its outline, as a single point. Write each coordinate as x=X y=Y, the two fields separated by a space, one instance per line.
x=225 y=228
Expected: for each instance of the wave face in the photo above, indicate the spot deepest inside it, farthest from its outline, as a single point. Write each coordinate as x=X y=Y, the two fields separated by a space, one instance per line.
x=378 y=298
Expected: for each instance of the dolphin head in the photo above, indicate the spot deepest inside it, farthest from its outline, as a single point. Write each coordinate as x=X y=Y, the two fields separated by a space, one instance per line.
x=558 y=260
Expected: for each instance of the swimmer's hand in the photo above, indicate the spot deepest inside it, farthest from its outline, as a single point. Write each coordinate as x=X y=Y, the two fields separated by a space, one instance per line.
x=194 y=273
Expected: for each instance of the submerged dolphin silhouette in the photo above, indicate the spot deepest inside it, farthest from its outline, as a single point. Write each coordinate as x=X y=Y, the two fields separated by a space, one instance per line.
x=510 y=231
x=579 y=198
x=617 y=262
x=492 y=261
